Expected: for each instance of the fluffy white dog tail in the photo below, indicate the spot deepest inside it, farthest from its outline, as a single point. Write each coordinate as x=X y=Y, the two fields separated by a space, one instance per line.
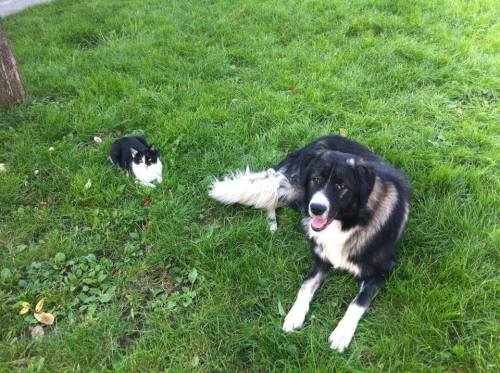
x=257 y=189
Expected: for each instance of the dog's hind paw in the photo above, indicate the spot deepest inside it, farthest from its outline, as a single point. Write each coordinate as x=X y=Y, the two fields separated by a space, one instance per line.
x=271 y=220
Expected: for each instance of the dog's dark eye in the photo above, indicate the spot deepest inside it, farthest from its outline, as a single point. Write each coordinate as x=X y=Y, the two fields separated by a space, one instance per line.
x=316 y=179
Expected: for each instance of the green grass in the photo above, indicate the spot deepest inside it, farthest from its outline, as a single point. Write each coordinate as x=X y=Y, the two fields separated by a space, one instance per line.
x=210 y=83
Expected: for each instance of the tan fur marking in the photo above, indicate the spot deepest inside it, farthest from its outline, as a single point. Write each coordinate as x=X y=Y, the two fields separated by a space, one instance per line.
x=382 y=202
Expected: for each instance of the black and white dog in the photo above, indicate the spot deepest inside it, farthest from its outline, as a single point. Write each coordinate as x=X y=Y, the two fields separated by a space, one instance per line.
x=354 y=206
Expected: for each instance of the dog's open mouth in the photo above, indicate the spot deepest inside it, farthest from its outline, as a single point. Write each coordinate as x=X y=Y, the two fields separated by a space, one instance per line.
x=318 y=223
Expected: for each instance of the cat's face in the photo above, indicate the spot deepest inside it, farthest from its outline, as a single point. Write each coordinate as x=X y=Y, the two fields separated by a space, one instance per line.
x=149 y=157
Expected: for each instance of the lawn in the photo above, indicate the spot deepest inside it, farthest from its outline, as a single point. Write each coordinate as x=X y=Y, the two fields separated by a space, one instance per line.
x=141 y=279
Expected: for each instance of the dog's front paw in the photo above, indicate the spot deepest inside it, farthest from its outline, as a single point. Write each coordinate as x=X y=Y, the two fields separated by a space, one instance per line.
x=341 y=337
x=294 y=320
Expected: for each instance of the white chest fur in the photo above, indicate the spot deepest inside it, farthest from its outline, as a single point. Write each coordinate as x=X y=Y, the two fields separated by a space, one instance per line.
x=330 y=245
x=146 y=173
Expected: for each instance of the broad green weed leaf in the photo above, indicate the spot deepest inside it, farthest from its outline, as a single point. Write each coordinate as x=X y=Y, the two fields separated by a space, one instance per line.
x=195 y=361
x=6 y=275
x=193 y=275
x=281 y=310
x=106 y=297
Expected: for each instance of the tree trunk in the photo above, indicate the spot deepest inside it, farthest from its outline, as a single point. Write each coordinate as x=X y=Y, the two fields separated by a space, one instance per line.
x=11 y=86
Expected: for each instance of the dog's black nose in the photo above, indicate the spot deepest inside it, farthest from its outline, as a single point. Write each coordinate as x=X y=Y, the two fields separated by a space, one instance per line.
x=317 y=208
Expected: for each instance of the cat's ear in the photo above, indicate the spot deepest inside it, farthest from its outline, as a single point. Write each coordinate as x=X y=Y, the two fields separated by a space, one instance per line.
x=133 y=152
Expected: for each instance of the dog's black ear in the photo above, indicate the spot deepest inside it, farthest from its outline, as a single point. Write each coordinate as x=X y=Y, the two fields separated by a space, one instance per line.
x=366 y=180
x=305 y=161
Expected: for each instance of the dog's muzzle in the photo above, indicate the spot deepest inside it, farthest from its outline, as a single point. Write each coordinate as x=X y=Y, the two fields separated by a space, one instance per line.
x=319 y=207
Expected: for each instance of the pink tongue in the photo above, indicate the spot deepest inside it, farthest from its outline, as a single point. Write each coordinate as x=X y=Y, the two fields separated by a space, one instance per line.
x=318 y=223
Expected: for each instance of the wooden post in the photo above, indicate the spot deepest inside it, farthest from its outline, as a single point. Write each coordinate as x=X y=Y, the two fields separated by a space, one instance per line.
x=11 y=87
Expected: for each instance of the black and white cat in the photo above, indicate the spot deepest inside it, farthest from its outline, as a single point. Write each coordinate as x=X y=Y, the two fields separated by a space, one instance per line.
x=133 y=154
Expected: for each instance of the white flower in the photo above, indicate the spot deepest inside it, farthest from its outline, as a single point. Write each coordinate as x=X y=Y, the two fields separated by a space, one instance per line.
x=88 y=184
x=3 y=168
x=51 y=149
x=36 y=172
x=97 y=140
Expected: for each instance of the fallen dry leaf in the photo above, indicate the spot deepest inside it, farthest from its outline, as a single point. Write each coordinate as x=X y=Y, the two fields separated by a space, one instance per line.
x=42 y=204
x=88 y=184
x=293 y=89
x=147 y=224
x=343 y=132
x=45 y=318
x=39 y=305
x=25 y=307
x=37 y=332
x=97 y=140
x=147 y=202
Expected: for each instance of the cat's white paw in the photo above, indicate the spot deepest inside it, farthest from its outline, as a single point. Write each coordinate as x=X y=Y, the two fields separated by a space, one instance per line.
x=145 y=183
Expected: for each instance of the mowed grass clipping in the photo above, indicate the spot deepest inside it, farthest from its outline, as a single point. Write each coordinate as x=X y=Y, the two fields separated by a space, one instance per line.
x=144 y=279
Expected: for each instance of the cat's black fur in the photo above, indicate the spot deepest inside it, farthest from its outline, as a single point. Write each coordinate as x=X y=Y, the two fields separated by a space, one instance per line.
x=122 y=152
